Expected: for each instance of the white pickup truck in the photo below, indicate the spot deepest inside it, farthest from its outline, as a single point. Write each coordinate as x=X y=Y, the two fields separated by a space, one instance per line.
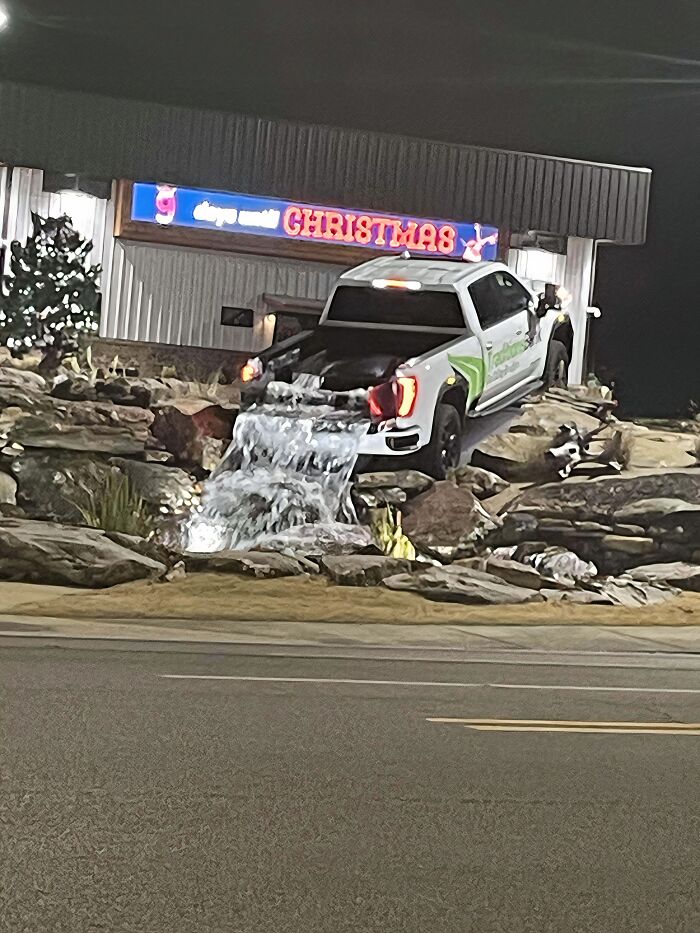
x=432 y=342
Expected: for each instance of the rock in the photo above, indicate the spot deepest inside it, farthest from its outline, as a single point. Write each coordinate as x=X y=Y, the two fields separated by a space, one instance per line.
x=597 y=528
x=648 y=511
x=515 y=457
x=183 y=426
x=158 y=456
x=177 y=572
x=362 y=569
x=161 y=486
x=628 y=545
x=22 y=379
x=74 y=388
x=510 y=571
x=607 y=498
x=482 y=483
x=520 y=452
x=11 y=511
x=8 y=489
x=317 y=540
x=44 y=552
x=375 y=490
x=379 y=498
x=456 y=584
x=579 y=597
x=636 y=531
x=251 y=563
x=679 y=527
x=446 y=516
x=125 y=391
x=82 y=426
x=630 y=594
x=555 y=562
x=147 y=547
x=679 y=574
x=55 y=484
x=557 y=525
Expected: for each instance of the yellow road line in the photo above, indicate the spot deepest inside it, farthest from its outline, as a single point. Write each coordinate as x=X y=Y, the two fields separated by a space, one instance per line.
x=522 y=723
x=586 y=729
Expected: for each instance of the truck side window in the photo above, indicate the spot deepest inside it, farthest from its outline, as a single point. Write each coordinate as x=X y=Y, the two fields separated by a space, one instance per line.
x=497 y=297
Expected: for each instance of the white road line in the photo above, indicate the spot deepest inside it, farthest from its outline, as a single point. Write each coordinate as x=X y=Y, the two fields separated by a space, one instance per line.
x=427 y=683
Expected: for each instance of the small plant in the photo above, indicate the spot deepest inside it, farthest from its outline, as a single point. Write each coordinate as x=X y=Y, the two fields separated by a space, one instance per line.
x=389 y=537
x=116 y=506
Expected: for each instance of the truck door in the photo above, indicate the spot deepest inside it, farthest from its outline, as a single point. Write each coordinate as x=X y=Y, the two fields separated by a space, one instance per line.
x=501 y=305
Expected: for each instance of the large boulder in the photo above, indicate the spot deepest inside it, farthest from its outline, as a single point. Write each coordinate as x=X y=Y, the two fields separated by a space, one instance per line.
x=608 y=497
x=261 y=564
x=447 y=519
x=187 y=427
x=362 y=569
x=93 y=427
x=519 y=453
x=677 y=573
x=56 y=484
x=22 y=379
x=455 y=584
x=646 y=512
x=44 y=552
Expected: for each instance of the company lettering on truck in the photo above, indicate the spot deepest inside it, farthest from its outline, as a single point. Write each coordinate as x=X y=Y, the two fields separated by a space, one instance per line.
x=228 y=212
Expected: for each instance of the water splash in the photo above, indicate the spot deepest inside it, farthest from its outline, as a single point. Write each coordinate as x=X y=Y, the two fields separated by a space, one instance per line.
x=289 y=464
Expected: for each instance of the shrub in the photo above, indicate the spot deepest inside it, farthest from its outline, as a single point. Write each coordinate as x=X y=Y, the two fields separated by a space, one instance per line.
x=116 y=506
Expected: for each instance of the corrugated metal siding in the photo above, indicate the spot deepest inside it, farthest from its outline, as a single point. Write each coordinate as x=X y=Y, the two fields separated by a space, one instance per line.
x=108 y=138
x=170 y=295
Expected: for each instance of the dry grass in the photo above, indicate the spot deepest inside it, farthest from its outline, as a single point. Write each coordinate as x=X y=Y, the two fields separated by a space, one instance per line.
x=209 y=600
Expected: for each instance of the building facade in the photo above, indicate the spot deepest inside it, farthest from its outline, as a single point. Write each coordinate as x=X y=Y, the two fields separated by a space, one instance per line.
x=225 y=231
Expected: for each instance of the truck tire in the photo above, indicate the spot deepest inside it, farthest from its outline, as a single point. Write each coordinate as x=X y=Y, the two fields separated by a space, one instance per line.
x=556 y=371
x=444 y=450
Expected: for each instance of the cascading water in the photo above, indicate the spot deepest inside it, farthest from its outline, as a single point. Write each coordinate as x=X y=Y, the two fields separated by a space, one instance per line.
x=289 y=465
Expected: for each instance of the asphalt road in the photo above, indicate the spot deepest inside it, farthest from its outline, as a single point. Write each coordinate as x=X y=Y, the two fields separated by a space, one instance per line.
x=320 y=796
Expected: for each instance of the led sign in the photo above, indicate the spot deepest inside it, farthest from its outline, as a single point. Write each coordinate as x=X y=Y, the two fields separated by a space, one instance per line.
x=166 y=205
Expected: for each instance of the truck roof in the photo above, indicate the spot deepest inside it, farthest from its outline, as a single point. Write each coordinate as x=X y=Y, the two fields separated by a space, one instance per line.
x=429 y=271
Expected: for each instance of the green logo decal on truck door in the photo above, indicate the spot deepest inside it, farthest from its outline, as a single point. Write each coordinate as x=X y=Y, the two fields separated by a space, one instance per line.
x=473 y=368
x=507 y=352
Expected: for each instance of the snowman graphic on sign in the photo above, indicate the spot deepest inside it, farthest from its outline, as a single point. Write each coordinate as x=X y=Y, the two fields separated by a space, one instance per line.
x=473 y=249
x=166 y=204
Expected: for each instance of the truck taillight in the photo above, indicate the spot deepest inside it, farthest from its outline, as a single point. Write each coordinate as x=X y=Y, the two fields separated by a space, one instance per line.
x=251 y=371
x=406 y=395
x=395 y=399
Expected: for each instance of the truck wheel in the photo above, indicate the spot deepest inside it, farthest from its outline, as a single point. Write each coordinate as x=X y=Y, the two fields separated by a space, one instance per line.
x=556 y=371
x=445 y=448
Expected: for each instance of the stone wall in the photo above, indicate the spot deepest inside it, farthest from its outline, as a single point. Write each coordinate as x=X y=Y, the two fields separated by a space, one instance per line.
x=192 y=364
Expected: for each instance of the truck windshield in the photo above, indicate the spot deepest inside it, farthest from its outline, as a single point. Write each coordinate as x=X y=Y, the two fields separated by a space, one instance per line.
x=354 y=304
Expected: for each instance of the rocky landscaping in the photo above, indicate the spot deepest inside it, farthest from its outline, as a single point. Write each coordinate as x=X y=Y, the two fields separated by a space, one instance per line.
x=567 y=505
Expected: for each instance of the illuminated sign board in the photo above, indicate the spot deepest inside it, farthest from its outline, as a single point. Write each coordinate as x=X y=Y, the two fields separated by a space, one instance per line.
x=167 y=205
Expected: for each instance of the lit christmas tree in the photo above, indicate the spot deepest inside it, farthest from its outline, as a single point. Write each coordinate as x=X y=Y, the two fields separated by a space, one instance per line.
x=50 y=300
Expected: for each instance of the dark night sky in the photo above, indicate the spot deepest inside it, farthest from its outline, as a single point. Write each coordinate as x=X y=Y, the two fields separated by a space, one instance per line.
x=614 y=81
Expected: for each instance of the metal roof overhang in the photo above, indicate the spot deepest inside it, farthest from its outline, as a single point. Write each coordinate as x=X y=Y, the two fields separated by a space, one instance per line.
x=105 y=138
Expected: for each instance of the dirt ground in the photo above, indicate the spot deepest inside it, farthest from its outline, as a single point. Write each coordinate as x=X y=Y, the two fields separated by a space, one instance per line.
x=216 y=599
